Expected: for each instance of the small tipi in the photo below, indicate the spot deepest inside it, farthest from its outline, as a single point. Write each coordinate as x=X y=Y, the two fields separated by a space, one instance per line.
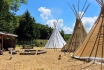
x=79 y=32
x=55 y=40
x=93 y=46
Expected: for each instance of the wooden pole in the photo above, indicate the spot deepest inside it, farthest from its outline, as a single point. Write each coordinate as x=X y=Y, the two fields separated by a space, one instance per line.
x=75 y=11
x=98 y=36
x=64 y=50
x=72 y=10
x=85 y=10
x=11 y=49
x=2 y=42
x=102 y=47
x=83 y=7
x=99 y=3
x=78 y=7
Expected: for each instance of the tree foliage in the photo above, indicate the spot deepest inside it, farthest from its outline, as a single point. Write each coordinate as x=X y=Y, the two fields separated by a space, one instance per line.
x=24 y=26
x=67 y=36
x=14 y=4
x=8 y=20
x=45 y=31
x=26 y=29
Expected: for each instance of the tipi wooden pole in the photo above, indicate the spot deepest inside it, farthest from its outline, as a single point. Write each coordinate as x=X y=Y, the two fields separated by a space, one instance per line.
x=72 y=38
x=95 y=40
x=99 y=3
x=83 y=8
x=75 y=41
x=75 y=11
x=89 y=40
x=78 y=7
x=102 y=46
x=98 y=36
x=64 y=50
x=72 y=10
x=81 y=36
x=102 y=1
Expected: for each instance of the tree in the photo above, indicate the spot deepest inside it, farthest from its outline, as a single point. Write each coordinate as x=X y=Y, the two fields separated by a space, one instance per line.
x=44 y=30
x=8 y=21
x=67 y=36
x=26 y=29
x=15 y=4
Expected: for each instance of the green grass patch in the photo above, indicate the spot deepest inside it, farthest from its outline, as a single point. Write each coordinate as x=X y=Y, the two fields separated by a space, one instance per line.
x=40 y=42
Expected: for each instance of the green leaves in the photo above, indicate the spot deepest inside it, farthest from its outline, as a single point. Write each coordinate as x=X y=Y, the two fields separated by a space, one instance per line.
x=8 y=23
x=8 y=20
x=15 y=4
x=26 y=29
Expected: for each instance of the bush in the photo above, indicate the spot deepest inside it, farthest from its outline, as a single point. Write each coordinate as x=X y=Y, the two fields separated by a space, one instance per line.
x=37 y=44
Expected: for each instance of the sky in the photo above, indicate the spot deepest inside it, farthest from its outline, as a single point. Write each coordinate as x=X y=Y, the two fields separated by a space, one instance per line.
x=47 y=11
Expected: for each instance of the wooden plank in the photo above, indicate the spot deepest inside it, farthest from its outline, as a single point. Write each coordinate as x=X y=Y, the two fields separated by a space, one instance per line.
x=27 y=53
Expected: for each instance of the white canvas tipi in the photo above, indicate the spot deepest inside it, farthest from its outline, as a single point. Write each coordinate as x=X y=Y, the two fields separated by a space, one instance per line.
x=55 y=40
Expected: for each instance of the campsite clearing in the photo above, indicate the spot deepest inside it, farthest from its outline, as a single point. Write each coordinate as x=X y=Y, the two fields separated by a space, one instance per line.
x=47 y=61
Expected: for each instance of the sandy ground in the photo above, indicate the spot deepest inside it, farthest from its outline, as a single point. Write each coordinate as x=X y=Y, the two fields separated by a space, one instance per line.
x=47 y=61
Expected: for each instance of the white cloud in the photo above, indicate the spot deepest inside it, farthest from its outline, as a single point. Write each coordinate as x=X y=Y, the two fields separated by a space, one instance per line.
x=88 y=22
x=81 y=14
x=45 y=13
x=59 y=23
x=50 y=23
x=67 y=30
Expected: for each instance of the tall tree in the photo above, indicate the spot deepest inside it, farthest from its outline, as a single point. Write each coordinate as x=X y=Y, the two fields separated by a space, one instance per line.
x=15 y=4
x=8 y=21
x=26 y=29
x=45 y=31
x=7 y=5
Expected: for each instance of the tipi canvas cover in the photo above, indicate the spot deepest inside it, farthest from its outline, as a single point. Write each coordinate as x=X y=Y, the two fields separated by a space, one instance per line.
x=78 y=35
x=93 y=46
x=55 y=40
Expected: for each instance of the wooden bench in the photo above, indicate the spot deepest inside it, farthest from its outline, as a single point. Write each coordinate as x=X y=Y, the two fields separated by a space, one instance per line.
x=40 y=52
x=27 y=53
x=30 y=50
x=27 y=46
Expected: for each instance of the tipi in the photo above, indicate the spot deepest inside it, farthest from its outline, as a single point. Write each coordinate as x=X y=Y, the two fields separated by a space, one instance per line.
x=79 y=32
x=93 y=46
x=55 y=40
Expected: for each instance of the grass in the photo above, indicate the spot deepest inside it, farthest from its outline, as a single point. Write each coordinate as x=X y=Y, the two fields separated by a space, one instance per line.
x=42 y=40
x=38 y=42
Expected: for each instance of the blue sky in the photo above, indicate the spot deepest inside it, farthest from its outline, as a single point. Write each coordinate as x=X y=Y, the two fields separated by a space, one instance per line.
x=46 y=11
